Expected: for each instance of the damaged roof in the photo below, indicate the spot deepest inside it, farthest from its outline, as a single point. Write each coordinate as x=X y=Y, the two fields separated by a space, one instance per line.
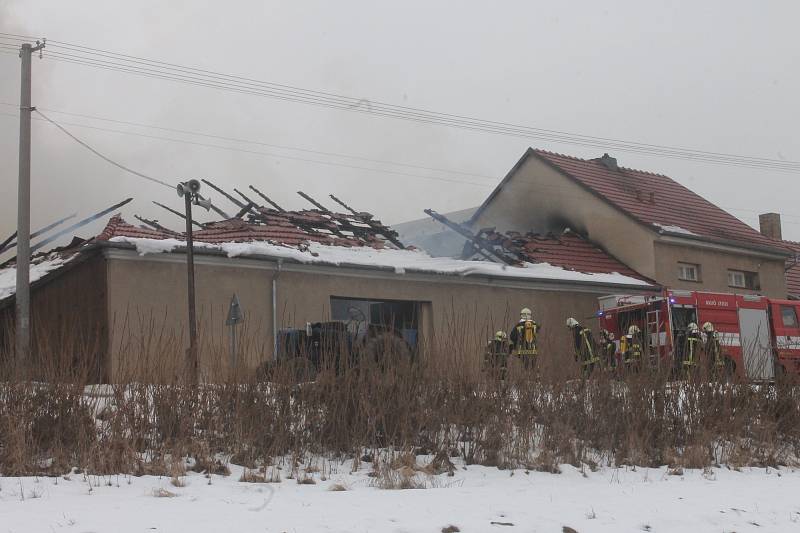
x=568 y=250
x=654 y=200
x=290 y=228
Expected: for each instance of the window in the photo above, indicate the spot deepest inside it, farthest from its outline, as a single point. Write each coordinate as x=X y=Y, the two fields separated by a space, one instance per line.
x=743 y=280
x=365 y=316
x=789 y=316
x=688 y=272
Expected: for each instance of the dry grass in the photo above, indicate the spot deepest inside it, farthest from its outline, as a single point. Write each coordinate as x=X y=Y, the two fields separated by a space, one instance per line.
x=439 y=405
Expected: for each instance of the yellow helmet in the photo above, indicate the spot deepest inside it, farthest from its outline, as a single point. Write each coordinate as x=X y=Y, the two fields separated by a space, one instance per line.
x=708 y=327
x=500 y=336
x=525 y=314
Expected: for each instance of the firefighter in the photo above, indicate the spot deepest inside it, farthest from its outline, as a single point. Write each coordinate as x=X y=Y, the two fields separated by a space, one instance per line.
x=693 y=343
x=712 y=348
x=631 y=348
x=608 y=348
x=523 y=338
x=584 y=346
x=496 y=353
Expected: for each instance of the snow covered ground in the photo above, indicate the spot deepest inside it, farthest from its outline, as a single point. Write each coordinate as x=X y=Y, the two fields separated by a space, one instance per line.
x=478 y=499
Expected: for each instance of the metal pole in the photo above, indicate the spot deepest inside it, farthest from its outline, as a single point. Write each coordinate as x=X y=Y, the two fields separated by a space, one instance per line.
x=191 y=353
x=23 y=303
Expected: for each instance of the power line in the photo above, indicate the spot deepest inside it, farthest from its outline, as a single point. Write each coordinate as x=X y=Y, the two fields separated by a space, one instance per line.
x=232 y=149
x=98 y=154
x=174 y=72
x=260 y=143
x=555 y=188
x=778 y=167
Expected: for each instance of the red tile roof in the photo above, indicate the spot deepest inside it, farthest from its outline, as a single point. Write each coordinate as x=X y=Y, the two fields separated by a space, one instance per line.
x=567 y=250
x=117 y=227
x=793 y=270
x=290 y=228
x=655 y=200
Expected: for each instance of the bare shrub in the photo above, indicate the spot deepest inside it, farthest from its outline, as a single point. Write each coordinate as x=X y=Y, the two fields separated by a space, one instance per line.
x=435 y=403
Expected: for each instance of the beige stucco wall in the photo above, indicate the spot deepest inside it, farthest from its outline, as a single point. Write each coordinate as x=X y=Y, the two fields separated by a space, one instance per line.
x=539 y=198
x=147 y=302
x=714 y=266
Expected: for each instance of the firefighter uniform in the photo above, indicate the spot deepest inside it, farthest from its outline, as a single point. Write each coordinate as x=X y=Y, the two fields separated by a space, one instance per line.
x=712 y=348
x=631 y=348
x=608 y=349
x=692 y=344
x=495 y=358
x=523 y=338
x=584 y=346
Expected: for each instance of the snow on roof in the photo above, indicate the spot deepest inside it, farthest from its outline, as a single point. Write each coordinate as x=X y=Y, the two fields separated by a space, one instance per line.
x=8 y=276
x=401 y=261
x=666 y=228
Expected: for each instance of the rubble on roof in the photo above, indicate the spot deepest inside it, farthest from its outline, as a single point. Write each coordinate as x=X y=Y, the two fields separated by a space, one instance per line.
x=567 y=250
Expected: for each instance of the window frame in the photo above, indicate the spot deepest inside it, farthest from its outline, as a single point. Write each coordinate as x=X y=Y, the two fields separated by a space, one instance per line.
x=693 y=266
x=750 y=280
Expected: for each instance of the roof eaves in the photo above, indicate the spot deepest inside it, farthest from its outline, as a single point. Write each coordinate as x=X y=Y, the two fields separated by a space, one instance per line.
x=778 y=250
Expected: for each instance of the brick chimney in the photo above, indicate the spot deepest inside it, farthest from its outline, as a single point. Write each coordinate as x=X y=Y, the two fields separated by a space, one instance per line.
x=770 y=224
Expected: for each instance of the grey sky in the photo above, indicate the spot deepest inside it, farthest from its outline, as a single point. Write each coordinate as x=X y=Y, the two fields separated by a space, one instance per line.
x=718 y=76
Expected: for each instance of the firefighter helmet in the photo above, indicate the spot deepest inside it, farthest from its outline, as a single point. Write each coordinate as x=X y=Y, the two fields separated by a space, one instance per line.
x=571 y=323
x=634 y=330
x=708 y=327
x=500 y=336
x=607 y=334
x=692 y=328
x=525 y=314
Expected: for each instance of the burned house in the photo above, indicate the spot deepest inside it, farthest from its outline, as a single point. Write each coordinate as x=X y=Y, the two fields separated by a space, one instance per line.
x=125 y=289
x=649 y=222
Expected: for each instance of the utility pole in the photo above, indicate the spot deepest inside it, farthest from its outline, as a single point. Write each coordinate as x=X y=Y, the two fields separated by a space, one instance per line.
x=23 y=296
x=190 y=191
x=191 y=354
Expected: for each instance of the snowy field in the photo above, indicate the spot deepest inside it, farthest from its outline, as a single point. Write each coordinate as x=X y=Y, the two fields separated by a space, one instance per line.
x=478 y=499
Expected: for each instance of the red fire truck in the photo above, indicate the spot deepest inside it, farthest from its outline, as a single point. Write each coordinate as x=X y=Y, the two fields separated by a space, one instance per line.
x=759 y=336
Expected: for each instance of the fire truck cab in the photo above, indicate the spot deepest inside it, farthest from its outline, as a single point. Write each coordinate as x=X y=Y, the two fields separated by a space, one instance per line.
x=758 y=336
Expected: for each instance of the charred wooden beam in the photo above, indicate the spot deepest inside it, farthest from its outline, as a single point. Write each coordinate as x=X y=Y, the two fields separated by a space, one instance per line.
x=174 y=212
x=368 y=219
x=314 y=202
x=79 y=224
x=481 y=245
x=7 y=244
x=246 y=209
x=223 y=193
x=214 y=208
x=155 y=225
x=267 y=199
